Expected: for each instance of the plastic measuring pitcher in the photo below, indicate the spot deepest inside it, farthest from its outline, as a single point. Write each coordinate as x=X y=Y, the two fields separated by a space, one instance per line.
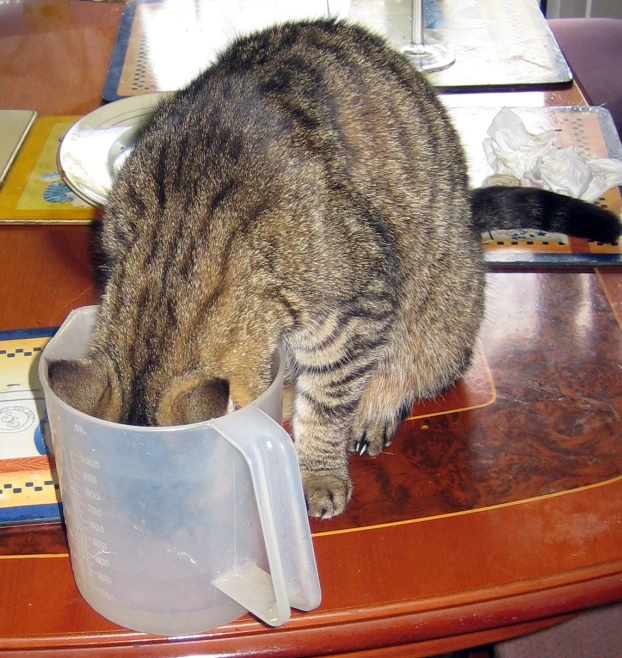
x=177 y=530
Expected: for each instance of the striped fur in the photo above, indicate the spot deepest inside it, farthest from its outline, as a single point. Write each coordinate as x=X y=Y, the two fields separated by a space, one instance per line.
x=307 y=188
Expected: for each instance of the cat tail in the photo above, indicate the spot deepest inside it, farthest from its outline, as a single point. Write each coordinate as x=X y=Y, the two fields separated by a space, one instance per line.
x=530 y=207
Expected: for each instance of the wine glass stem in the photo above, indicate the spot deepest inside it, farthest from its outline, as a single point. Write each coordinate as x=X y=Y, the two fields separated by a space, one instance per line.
x=416 y=35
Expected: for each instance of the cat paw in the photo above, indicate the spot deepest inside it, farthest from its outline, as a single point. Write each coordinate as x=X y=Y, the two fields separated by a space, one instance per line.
x=374 y=438
x=326 y=494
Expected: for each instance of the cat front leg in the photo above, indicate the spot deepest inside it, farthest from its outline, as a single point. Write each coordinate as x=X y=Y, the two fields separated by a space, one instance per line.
x=322 y=449
x=333 y=360
x=322 y=425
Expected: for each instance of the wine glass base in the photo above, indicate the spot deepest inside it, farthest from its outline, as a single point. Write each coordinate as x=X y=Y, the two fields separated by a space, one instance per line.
x=429 y=56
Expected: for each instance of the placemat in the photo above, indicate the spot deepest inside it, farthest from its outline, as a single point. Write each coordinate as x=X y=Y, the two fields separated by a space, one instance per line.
x=592 y=132
x=161 y=46
x=29 y=491
x=14 y=128
x=498 y=43
x=34 y=192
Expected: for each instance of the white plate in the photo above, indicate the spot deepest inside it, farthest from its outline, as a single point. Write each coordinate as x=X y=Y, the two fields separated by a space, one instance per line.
x=92 y=152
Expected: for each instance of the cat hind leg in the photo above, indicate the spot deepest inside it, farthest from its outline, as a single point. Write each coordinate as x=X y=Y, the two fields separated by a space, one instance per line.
x=385 y=404
x=376 y=436
x=390 y=393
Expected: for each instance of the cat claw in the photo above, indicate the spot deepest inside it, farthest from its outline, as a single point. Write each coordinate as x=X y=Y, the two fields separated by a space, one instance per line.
x=375 y=438
x=360 y=447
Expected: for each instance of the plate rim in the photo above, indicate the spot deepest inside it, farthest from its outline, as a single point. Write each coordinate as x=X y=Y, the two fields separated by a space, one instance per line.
x=101 y=116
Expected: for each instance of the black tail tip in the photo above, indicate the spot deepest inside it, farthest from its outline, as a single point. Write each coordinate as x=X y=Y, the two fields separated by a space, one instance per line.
x=604 y=226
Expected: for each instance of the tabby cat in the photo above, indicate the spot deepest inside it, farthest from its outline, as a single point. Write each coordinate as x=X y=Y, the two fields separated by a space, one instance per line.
x=307 y=188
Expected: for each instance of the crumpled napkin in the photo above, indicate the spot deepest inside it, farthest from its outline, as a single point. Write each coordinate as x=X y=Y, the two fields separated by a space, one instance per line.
x=535 y=160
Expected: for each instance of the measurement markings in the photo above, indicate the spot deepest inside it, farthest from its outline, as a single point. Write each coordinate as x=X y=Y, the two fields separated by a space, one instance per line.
x=91 y=529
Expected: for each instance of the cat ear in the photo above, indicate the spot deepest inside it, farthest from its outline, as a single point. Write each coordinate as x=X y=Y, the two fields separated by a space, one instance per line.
x=85 y=386
x=192 y=400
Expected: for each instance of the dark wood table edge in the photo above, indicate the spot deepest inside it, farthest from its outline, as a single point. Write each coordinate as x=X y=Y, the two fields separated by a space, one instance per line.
x=422 y=649
x=342 y=631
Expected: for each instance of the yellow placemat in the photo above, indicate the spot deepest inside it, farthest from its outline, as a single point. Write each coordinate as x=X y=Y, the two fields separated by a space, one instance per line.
x=34 y=191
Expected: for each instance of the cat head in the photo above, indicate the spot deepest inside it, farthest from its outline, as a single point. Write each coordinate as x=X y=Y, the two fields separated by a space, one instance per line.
x=92 y=386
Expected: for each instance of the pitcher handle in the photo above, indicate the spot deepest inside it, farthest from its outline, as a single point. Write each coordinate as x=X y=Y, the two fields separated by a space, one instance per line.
x=271 y=458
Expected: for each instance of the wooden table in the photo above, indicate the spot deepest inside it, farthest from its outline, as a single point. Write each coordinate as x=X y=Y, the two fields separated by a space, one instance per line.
x=495 y=512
